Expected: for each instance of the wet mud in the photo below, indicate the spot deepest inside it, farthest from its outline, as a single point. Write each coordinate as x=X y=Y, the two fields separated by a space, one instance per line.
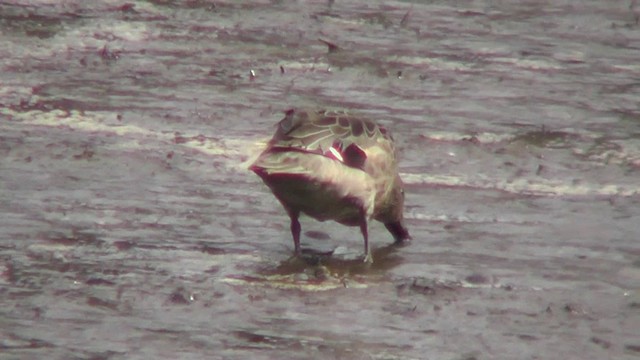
x=130 y=227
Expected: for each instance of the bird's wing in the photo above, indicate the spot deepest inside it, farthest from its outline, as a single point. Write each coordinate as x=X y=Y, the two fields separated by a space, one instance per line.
x=336 y=134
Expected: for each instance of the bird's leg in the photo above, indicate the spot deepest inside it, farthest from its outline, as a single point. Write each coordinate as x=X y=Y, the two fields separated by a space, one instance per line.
x=295 y=231
x=365 y=234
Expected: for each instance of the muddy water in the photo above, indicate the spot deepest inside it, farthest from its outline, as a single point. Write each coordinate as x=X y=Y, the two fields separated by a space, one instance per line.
x=131 y=229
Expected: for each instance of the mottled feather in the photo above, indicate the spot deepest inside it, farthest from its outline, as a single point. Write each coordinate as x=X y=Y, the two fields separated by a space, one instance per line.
x=333 y=165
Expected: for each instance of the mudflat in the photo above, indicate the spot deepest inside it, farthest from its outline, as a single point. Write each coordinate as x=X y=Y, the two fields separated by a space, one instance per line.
x=130 y=227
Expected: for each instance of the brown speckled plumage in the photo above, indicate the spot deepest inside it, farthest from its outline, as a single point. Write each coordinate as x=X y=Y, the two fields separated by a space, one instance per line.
x=332 y=165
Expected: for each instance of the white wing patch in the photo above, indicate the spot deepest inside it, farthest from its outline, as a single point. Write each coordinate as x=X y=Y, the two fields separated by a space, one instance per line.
x=336 y=154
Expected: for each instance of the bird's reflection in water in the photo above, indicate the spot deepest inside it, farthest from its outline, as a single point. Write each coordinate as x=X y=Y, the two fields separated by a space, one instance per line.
x=320 y=265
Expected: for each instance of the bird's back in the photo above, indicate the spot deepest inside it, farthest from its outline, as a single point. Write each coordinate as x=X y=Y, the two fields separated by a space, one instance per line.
x=355 y=141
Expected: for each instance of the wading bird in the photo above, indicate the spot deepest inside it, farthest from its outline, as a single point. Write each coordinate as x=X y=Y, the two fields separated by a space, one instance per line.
x=332 y=165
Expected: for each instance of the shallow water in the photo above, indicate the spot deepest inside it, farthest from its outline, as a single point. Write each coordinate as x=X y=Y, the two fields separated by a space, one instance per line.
x=130 y=227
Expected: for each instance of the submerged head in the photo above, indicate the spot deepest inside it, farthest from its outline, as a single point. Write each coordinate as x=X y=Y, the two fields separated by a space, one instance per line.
x=392 y=213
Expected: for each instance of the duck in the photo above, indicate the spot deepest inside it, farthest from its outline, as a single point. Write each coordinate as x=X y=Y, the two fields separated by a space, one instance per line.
x=334 y=165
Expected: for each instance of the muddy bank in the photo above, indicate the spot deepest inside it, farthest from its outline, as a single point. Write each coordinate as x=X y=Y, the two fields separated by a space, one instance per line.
x=131 y=229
